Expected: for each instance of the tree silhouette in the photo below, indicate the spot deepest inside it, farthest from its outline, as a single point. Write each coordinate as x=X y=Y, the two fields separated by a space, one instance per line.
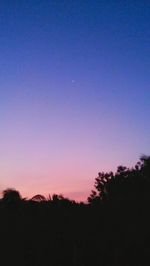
x=11 y=196
x=113 y=229
x=126 y=183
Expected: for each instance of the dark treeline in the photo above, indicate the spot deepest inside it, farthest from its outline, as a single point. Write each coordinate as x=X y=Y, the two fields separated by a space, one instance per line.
x=112 y=229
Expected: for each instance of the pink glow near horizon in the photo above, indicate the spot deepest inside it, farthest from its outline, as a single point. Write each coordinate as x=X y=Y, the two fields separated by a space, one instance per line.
x=74 y=178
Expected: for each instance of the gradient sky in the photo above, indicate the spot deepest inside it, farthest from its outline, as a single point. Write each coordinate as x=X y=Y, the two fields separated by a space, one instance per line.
x=74 y=92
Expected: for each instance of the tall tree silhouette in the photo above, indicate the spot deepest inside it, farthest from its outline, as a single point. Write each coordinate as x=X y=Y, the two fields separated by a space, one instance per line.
x=126 y=183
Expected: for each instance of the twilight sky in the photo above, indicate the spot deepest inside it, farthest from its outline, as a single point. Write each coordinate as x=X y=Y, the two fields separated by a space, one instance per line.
x=74 y=92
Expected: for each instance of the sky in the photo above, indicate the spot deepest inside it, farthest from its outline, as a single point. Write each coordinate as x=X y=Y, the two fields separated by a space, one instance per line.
x=74 y=92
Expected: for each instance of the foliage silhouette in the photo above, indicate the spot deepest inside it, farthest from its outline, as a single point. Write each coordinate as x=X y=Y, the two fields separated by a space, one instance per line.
x=11 y=196
x=38 y=198
x=129 y=184
x=111 y=230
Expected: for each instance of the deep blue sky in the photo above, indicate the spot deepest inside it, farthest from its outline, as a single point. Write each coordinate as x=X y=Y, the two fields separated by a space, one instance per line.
x=74 y=91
